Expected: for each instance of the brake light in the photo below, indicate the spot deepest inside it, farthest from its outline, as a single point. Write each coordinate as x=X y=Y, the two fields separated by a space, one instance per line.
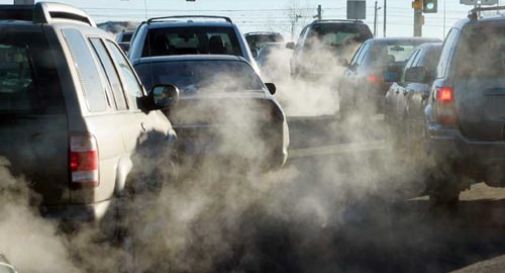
x=83 y=161
x=445 y=109
x=445 y=95
x=374 y=79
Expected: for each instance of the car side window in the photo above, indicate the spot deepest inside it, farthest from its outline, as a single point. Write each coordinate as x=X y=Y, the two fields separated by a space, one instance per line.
x=111 y=73
x=411 y=62
x=359 y=59
x=447 y=49
x=128 y=76
x=89 y=77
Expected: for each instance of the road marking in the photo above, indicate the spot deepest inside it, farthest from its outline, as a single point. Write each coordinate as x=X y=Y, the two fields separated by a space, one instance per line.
x=338 y=149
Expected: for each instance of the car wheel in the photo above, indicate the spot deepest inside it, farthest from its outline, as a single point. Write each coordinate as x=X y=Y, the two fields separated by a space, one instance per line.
x=444 y=193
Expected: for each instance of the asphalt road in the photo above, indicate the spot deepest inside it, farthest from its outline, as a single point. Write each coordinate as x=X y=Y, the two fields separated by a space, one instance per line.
x=363 y=221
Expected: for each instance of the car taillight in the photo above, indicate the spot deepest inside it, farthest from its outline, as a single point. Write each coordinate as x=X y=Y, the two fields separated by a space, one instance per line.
x=445 y=110
x=375 y=80
x=445 y=95
x=83 y=161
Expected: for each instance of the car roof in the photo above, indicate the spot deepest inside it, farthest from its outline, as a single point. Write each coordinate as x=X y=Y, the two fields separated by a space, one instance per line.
x=403 y=39
x=44 y=13
x=337 y=21
x=187 y=23
x=195 y=57
x=463 y=22
x=262 y=33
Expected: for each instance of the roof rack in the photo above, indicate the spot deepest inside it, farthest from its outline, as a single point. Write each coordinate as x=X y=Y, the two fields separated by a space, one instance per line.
x=227 y=19
x=339 y=20
x=474 y=13
x=45 y=13
x=48 y=12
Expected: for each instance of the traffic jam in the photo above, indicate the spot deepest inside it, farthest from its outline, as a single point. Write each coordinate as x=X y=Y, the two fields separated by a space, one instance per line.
x=180 y=143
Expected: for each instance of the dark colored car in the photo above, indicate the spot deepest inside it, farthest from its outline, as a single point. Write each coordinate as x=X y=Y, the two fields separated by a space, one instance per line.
x=465 y=114
x=72 y=109
x=189 y=35
x=224 y=109
x=374 y=67
x=322 y=43
x=256 y=40
x=406 y=99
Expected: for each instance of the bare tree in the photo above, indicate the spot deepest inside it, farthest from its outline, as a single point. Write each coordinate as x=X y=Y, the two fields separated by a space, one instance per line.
x=297 y=15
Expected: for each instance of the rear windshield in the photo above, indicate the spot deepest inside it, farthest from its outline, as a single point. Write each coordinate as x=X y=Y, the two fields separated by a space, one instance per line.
x=28 y=78
x=191 y=40
x=192 y=76
x=393 y=53
x=337 y=35
x=257 y=41
x=126 y=37
x=481 y=53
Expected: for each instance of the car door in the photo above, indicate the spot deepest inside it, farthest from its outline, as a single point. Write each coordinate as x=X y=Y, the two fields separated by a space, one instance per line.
x=404 y=89
x=149 y=129
x=98 y=114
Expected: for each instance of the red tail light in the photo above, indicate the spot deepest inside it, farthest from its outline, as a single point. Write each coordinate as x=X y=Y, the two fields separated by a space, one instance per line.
x=374 y=79
x=446 y=111
x=445 y=95
x=83 y=161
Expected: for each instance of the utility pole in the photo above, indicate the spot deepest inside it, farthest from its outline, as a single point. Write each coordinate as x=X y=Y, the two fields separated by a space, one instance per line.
x=376 y=9
x=418 y=17
x=385 y=16
x=319 y=15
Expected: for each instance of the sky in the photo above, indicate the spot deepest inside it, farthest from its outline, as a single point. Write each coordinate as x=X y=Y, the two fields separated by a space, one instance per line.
x=272 y=15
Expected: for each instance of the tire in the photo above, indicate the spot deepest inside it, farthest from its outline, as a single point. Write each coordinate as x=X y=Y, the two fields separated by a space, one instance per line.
x=444 y=193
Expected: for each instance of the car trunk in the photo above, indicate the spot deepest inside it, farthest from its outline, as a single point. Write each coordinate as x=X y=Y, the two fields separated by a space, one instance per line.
x=228 y=124
x=36 y=147
x=480 y=81
x=480 y=108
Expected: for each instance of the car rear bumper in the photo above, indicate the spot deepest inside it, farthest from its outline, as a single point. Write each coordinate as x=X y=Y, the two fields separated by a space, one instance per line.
x=77 y=213
x=481 y=160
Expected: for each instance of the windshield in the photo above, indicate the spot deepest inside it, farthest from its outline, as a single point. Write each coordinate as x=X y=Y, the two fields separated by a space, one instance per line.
x=193 y=76
x=482 y=52
x=191 y=40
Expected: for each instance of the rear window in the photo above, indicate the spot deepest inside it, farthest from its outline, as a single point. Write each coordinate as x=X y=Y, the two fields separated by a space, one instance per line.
x=191 y=40
x=193 y=76
x=28 y=77
x=339 y=34
x=481 y=53
x=257 y=41
x=390 y=54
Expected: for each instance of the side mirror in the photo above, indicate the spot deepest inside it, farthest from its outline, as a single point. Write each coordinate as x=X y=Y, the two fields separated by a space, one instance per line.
x=416 y=74
x=164 y=95
x=290 y=45
x=343 y=62
x=271 y=88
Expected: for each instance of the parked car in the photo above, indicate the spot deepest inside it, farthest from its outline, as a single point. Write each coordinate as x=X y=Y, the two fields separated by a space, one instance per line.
x=72 y=109
x=374 y=67
x=406 y=99
x=323 y=43
x=6 y=266
x=465 y=113
x=189 y=35
x=223 y=103
x=123 y=39
x=256 y=40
